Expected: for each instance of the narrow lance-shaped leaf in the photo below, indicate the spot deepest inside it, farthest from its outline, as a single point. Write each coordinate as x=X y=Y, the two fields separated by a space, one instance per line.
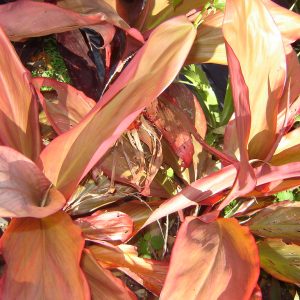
x=245 y=181
x=254 y=46
x=18 y=106
x=42 y=259
x=121 y=104
x=209 y=44
x=24 y=189
x=222 y=255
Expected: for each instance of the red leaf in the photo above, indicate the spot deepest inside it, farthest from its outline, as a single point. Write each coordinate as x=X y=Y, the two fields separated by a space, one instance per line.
x=114 y=113
x=196 y=192
x=24 y=189
x=42 y=259
x=18 y=107
x=106 y=226
x=103 y=284
x=222 y=255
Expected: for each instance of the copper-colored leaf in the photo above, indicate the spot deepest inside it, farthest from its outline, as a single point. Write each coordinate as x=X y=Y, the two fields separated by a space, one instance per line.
x=106 y=226
x=42 y=259
x=222 y=255
x=24 y=189
x=197 y=192
x=65 y=107
x=280 y=220
x=280 y=259
x=256 y=45
x=138 y=210
x=209 y=44
x=18 y=107
x=103 y=284
x=151 y=273
x=114 y=113
x=24 y=19
x=92 y=195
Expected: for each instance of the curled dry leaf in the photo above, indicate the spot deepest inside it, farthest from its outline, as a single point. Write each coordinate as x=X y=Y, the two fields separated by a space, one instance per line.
x=93 y=195
x=106 y=226
x=24 y=189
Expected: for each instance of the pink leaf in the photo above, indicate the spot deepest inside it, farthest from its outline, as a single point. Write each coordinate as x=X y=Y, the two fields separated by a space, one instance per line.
x=103 y=284
x=222 y=255
x=106 y=226
x=24 y=189
x=18 y=107
x=42 y=259
x=77 y=151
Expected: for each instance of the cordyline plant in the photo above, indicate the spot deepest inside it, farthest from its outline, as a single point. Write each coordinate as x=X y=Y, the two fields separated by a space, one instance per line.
x=142 y=113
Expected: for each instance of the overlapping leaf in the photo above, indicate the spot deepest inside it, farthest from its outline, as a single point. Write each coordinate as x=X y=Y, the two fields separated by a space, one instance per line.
x=281 y=260
x=280 y=220
x=105 y=123
x=222 y=255
x=103 y=284
x=149 y=273
x=42 y=259
x=254 y=46
x=106 y=226
x=18 y=107
x=24 y=189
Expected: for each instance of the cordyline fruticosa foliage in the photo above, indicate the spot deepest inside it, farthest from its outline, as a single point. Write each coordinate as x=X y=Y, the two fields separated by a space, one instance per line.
x=142 y=122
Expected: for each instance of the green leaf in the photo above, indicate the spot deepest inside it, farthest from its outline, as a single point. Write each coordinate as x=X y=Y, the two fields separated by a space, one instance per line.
x=204 y=92
x=228 y=106
x=157 y=242
x=285 y=195
x=219 y=4
x=176 y=3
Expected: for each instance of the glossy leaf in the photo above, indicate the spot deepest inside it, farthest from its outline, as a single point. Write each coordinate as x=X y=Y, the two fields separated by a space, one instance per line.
x=252 y=49
x=105 y=123
x=209 y=44
x=161 y=10
x=42 y=259
x=148 y=272
x=222 y=254
x=24 y=189
x=18 y=107
x=280 y=220
x=106 y=226
x=288 y=149
x=281 y=260
x=103 y=284
x=40 y=19
x=245 y=181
